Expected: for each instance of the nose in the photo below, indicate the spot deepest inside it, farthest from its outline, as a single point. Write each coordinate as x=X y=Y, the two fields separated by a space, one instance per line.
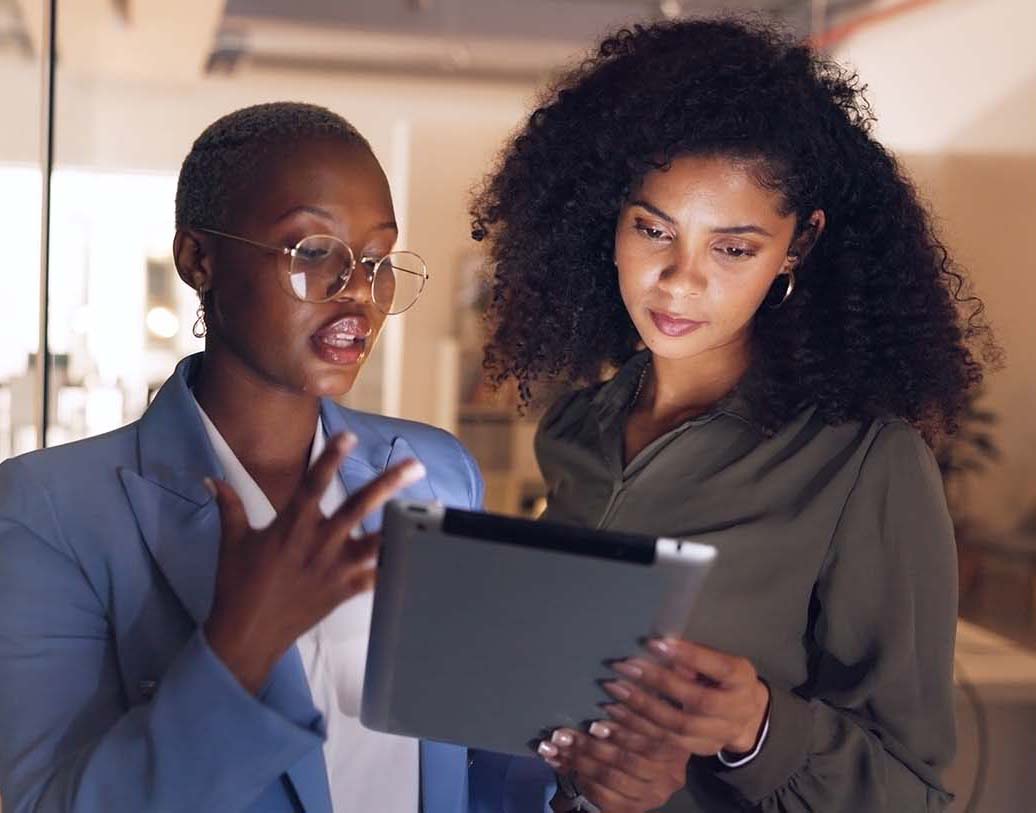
x=358 y=288
x=684 y=277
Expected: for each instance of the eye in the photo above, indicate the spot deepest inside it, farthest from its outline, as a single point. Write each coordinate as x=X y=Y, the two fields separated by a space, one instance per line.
x=312 y=254
x=651 y=232
x=736 y=252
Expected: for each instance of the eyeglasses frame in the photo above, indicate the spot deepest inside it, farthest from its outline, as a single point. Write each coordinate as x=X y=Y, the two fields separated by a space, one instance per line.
x=372 y=271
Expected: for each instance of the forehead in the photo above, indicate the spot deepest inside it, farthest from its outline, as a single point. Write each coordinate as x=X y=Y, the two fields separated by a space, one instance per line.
x=717 y=183
x=344 y=179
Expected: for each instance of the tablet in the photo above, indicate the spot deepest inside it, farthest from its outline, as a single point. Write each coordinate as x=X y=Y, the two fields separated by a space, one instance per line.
x=488 y=631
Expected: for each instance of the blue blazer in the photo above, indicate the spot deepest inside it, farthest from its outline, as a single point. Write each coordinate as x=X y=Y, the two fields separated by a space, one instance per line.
x=111 y=701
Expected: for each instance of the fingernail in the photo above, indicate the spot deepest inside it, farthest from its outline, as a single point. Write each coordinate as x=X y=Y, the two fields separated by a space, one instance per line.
x=600 y=730
x=661 y=647
x=546 y=750
x=413 y=472
x=562 y=738
x=618 y=689
x=617 y=712
x=345 y=442
x=629 y=669
x=553 y=763
x=209 y=486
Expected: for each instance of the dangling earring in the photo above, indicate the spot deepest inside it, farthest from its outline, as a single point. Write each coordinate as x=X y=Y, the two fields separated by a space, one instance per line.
x=789 y=290
x=790 y=266
x=200 y=329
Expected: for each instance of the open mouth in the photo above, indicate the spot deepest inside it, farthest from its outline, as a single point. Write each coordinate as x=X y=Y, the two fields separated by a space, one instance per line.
x=343 y=341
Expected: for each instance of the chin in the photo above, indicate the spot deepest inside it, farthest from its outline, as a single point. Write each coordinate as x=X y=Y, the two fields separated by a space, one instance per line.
x=322 y=381
x=336 y=385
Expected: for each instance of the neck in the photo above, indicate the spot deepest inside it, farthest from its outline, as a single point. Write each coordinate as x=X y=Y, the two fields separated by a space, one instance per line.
x=269 y=428
x=687 y=386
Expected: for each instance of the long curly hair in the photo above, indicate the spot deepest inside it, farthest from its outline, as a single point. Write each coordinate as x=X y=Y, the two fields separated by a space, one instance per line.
x=880 y=322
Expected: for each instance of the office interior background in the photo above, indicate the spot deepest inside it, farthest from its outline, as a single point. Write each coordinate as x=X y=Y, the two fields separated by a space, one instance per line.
x=437 y=86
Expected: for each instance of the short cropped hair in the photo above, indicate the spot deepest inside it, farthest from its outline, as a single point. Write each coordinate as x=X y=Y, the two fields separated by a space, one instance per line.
x=225 y=156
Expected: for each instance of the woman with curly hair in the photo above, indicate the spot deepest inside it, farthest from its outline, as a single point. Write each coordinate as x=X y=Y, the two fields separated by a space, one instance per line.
x=701 y=209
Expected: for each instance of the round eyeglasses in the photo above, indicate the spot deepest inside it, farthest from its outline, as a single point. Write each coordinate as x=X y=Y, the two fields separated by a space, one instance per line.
x=322 y=265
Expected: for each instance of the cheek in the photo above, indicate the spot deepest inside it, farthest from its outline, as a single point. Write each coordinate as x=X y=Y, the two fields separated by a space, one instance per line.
x=735 y=297
x=256 y=313
x=636 y=275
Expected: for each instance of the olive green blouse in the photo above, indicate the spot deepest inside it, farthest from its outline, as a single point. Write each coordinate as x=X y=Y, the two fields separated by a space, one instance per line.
x=835 y=576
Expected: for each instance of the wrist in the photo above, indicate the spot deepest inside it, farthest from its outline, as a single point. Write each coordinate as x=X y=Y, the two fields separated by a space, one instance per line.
x=245 y=661
x=749 y=737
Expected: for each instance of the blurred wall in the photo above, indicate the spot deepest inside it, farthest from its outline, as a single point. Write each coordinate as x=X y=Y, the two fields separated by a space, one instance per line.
x=434 y=137
x=954 y=88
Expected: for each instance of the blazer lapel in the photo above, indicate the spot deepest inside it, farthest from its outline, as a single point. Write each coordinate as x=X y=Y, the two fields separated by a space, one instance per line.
x=179 y=522
x=373 y=454
x=183 y=538
x=177 y=516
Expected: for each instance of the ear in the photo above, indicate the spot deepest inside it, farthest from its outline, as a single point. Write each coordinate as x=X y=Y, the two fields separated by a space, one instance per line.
x=192 y=259
x=807 y=238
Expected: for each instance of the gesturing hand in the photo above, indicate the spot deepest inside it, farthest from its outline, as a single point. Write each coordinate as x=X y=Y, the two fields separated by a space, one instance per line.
x=691 y=700
x=274 y=584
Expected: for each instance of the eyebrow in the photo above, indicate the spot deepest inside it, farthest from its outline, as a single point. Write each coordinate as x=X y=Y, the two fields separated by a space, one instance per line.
x=316 y=210
x=748 y=228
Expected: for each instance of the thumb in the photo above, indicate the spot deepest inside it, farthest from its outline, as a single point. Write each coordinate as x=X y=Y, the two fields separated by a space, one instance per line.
x=232 y=520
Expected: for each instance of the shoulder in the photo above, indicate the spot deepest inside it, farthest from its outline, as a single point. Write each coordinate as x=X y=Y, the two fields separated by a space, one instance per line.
x=898 y=450
x=382 y=430
x=451 y=468
x=71 y=466
x=898 y=492
x=568 y=411
x=65 y=481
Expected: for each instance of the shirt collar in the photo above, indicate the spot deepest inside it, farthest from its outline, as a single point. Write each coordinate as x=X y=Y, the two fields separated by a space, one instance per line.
x=615 y=396
x=258 y=508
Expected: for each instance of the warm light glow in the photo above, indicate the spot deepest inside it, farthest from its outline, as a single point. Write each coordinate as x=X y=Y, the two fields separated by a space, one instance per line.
x=162 y=322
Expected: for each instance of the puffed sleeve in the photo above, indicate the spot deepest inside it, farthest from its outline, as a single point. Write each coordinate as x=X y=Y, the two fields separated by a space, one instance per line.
x=875 y=725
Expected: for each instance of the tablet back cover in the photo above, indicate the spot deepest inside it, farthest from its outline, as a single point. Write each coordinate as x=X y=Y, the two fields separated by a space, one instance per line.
x=494 y=644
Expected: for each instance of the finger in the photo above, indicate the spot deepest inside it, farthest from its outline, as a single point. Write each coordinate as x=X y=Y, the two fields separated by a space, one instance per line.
x=719 y=666
x=674 y=721
x=692 y=694
x=306 y=500
x=629 y=743
x=633 y=721
x=372 y=496
x=332 y=552
x=606 y=751
x=357 y=580
x=233 y=522
x=701 y=735
x=360 y=550
x=551 y=754
x=657 y=711
x=699 y=698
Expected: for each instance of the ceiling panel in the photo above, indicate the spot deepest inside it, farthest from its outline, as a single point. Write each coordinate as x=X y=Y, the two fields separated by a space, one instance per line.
x=566 y=20
x=471 y=38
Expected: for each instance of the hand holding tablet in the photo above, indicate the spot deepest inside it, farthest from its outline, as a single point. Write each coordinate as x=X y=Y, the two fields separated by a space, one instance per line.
x=490 y=631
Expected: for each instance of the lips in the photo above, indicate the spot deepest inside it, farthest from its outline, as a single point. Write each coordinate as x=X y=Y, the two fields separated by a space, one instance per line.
x=674 y=326
x=342 y=341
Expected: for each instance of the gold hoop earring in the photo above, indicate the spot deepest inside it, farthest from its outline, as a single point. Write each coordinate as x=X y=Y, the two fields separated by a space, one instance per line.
x=790 y=289
x=200 y=329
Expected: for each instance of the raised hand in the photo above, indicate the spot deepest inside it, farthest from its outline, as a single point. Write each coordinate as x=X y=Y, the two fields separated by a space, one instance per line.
x=274 y=584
